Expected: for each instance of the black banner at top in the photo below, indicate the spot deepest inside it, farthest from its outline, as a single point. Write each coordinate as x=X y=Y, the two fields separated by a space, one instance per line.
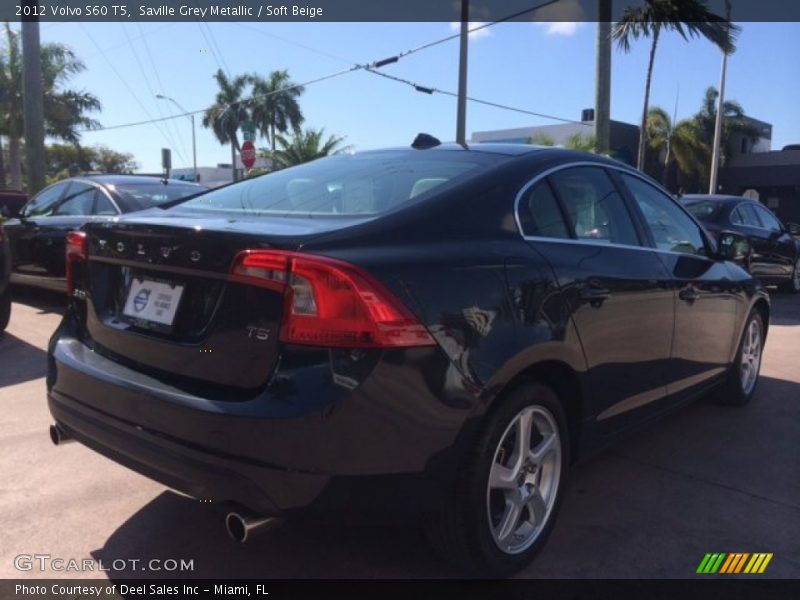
x=357 y=10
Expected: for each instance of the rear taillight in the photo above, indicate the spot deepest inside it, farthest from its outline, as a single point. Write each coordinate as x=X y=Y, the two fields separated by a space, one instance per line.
x=77 y=250
x=329 y=302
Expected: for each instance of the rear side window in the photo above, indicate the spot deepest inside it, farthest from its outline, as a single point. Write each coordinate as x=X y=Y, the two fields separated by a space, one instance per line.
x=673 y=230
x=745 y=215
x=705 y=210
x=768 y=219
x=596 y=209
x=42 y=205
x=347 y=184
x=540 y=215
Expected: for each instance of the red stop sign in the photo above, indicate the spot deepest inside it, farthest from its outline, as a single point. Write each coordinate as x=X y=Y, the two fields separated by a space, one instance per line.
x=248 y=154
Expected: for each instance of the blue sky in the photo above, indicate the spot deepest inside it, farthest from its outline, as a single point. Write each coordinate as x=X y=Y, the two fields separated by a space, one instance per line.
x=547 y=68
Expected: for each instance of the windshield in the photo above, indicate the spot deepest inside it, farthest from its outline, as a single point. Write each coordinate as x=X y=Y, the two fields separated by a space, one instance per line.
x=704 y=211
x=348 y=184
x=138 y=196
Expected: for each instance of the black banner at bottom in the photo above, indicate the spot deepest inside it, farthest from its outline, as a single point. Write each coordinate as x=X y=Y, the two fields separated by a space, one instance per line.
x=527 y=589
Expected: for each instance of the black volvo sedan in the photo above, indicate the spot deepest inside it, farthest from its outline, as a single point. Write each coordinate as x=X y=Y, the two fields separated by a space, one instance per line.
x=775 y=251
x=443 y=329
x=37 y=236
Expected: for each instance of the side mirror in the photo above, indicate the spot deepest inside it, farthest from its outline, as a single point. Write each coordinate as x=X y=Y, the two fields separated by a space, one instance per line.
x=733 y=246
x=793 y=228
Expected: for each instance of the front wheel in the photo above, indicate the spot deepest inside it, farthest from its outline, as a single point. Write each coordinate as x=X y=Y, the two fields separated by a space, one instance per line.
x=740 y=385
x=793 y=285
x=510 y=490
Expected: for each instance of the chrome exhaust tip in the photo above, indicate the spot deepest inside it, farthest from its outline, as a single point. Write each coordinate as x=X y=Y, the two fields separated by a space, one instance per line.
x=243 y=527
x=58 y=436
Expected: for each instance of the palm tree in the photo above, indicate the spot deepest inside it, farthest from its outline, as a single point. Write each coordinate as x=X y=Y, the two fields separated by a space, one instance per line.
x=64 y=109
x=304 y=146
x=690 y=18
x=228 y=112
x=671 y=144
x=274 y=107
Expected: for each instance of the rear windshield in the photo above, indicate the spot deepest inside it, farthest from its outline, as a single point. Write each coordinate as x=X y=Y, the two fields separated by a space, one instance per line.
x=347 y=184
x=138 y=196
x=704 y=211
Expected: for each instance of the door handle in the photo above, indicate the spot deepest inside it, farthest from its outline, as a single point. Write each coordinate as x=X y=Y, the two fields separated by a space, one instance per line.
x=689 y=295
x=594 y=296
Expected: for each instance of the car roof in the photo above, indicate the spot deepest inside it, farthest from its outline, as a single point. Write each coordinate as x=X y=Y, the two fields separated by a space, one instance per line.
x=717 y=198
x=116 y=179
x=504 y=149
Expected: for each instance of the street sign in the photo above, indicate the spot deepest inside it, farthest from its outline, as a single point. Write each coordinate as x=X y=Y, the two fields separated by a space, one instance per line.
x=248 y=131
x=248 y=154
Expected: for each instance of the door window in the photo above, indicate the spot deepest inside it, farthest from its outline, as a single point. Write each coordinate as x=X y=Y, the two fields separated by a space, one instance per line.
x=42 y=205
x=540 y=215
x=673 y=229
x=77 y=202
x=596 y=209
x=768 y=219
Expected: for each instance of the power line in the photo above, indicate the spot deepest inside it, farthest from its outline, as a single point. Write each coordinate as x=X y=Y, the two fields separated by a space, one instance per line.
x=242 y=101
x=125 y=83
x=149 y=86
x=426 y=89
x=269 y=34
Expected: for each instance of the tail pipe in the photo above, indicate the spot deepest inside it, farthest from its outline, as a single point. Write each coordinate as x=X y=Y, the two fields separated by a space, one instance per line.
x=242 y=527
x=58 y=436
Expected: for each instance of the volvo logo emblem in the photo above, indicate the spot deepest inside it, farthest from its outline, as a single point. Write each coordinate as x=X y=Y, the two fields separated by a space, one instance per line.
x=141 y=299
x=120 y=247
x=195 y=255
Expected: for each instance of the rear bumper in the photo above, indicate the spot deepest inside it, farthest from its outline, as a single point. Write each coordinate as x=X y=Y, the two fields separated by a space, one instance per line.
x=54 y=284
x=303 y=442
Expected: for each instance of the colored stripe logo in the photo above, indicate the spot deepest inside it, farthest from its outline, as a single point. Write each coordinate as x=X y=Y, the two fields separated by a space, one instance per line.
x=734 y=563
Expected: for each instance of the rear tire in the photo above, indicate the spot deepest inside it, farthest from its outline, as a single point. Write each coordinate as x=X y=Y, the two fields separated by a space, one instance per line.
x=5 y=308
x=793 y=285
x=503 y=508
x=742 y=380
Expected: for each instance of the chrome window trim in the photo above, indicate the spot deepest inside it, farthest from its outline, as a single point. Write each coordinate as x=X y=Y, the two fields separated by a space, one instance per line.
x=587 y=242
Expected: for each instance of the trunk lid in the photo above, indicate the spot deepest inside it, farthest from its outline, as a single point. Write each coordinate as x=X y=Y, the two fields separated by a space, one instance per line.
x=159 y=299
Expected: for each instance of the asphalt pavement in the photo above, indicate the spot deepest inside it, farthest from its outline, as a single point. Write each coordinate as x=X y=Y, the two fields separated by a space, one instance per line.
x=707 y=478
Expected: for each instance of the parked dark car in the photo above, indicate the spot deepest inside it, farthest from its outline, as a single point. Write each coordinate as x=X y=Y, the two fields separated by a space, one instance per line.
x=37 y=235
x=775 y=257
x=5 y=271
x=11 y=202
x=438 y=330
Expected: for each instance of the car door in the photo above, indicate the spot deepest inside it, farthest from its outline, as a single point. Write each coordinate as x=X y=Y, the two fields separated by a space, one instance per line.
x=22 y=232
x=616 y=291
x=745 y=220
x=73 y=211
x=780 y=247
x=709 y=303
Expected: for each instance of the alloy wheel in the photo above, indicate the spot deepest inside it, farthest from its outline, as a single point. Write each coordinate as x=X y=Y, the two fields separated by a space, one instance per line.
x=523 y=479
x=751 y=356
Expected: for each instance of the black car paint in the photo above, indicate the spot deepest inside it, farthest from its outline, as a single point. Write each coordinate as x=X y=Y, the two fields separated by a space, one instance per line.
x=328 y=422
x=38 y=242
x=774 y=253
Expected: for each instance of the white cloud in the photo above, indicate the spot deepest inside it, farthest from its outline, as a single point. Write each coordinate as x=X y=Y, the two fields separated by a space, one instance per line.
x=472 y=25
x=567 y=28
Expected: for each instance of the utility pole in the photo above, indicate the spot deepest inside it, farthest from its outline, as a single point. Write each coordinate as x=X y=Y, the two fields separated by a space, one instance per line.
x=715 y=153
x=461 y=117
x=33 y=108
x=602 y=101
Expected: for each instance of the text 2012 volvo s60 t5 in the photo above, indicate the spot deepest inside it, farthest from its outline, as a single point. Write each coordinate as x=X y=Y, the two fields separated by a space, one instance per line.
x=446 y=328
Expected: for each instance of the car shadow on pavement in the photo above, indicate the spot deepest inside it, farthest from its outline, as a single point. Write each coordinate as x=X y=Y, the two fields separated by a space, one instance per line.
x=176 y=527
x=785 y=309
x=20 y=361
x=45 y=301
